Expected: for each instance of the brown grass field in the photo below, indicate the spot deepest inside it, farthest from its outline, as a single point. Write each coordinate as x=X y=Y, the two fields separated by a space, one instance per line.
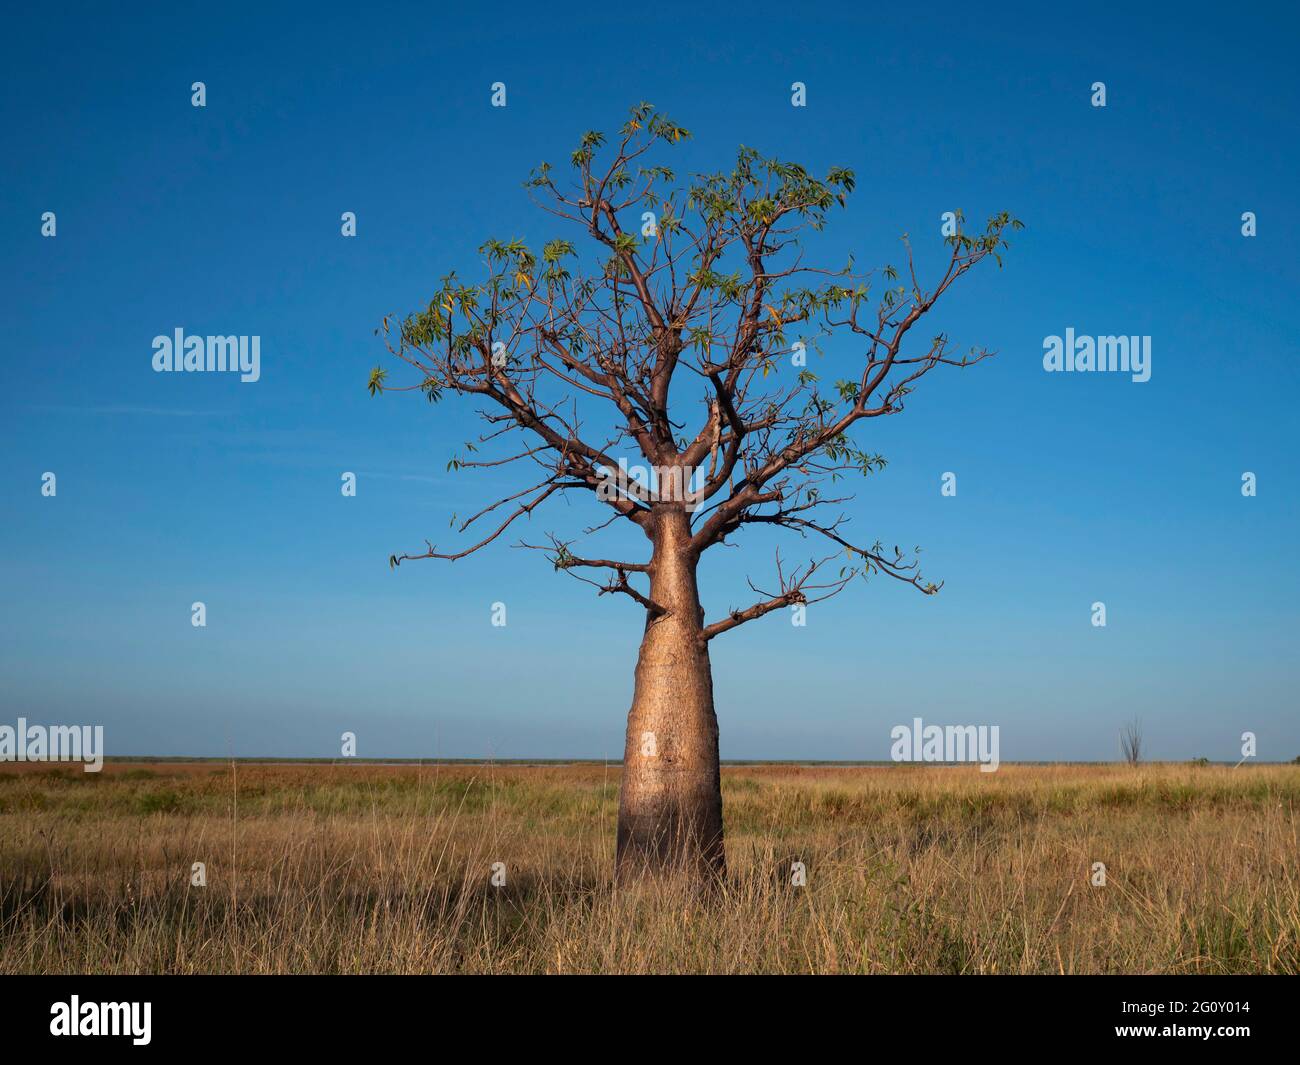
x=358 y=868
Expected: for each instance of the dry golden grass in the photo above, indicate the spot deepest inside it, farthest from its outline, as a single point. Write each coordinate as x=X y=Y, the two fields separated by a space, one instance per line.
x=347 y=869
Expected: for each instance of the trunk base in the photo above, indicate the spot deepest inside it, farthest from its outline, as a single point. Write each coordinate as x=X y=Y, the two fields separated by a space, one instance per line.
x=670 y=802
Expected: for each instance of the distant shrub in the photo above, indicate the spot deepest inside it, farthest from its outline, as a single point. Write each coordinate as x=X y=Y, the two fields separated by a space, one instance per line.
x=137 y=774
x=1200 y=761
x=158 y=802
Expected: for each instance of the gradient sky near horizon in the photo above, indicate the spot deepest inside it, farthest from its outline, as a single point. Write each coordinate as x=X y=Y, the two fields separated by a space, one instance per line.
x=1071 y=488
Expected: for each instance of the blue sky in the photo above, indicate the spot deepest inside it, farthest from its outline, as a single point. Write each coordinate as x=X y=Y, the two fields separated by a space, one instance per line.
x=1074 y=488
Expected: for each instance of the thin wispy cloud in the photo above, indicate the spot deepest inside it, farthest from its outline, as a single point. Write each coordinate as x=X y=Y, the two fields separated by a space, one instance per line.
x=425 y=478
x=161 y=412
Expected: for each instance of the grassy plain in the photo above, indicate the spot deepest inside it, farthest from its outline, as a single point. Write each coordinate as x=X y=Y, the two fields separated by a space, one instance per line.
x=360 y=868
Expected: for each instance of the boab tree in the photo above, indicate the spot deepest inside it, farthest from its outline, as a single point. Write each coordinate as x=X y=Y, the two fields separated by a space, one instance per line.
x=699 y=295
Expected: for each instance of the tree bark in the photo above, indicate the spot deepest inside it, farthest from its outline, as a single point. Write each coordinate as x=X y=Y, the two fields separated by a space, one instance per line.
x=670 y=805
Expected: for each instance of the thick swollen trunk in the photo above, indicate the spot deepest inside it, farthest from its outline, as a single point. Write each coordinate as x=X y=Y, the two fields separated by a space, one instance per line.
x=670 y=806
